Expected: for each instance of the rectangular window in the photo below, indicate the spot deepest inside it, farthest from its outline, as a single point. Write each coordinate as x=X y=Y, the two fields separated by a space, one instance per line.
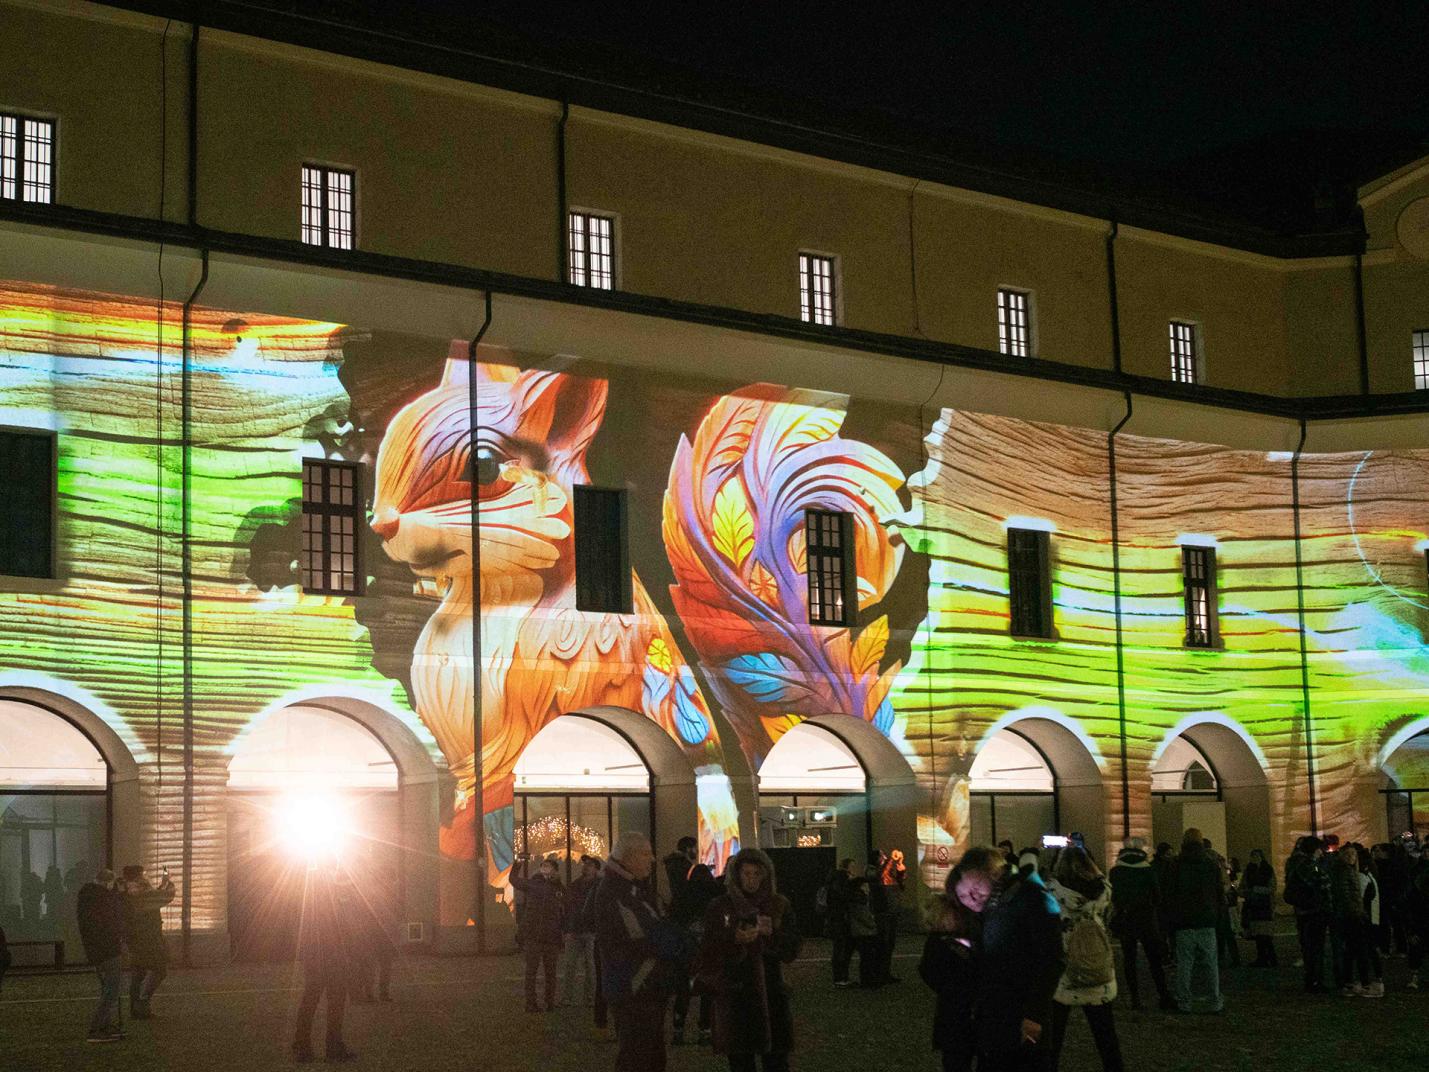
x=816 y=289
x=1198 y=572
x=829 y=546
x=603 y=578
x=1421 y=360
x=1029 y=588
x=592 y=250
x=1014 y=323
x=328 y=206
x=27 y=159
x=27 y=522
x=1184 y=352
x=332 y=518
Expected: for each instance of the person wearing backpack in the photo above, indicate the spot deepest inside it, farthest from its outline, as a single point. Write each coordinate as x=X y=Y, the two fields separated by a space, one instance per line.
x=1089 y=975
x=1307 y=890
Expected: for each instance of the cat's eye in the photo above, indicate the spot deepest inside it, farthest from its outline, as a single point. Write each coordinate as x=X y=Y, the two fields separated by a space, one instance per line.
x=488 y=466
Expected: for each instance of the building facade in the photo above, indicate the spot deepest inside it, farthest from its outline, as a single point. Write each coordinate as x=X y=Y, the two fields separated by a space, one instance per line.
x=817 y=505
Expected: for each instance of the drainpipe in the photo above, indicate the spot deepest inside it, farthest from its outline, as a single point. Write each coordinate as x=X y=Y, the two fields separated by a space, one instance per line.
x=1360 y=324
x=473 y=399
x=1309 y=725
x=1116 y=605
x=1112 y=300
x=563 y=253
x=185 y=515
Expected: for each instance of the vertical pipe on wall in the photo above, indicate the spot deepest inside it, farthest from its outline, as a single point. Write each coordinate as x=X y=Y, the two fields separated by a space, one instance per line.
x=473 y=426
x=1361 y=341
x=1308 y=723
x=1113 y=305
x=1116 y=609
x=563 y=253
x=185 y=533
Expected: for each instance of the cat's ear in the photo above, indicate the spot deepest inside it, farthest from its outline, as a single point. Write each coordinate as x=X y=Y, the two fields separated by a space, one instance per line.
x=560 y=410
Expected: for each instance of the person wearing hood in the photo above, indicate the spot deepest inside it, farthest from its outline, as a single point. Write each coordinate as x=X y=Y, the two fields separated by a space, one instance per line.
x=750 y=933
x=1136 y=911
x=1196 y=895
x=1088 y=978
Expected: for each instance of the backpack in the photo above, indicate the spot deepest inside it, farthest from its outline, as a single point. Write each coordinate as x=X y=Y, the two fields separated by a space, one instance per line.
x=1298 y=893
x=1089 y=956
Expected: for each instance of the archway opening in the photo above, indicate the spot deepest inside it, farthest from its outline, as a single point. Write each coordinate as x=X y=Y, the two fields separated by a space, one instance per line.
x=813 y=793
x=1406 y=786
x=308 y=786
x=1207 y=775
x=579 y=783
x=1033 y=777
x=55 y=813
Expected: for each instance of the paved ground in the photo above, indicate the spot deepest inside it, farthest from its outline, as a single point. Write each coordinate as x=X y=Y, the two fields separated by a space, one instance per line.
x=467 y=1014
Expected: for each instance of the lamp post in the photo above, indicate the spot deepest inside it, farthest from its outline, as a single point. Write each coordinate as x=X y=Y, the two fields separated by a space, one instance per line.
x=473 y=399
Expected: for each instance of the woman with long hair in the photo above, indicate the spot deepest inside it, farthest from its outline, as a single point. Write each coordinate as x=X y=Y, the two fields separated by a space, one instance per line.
x=952 y=951
x=1089 y=976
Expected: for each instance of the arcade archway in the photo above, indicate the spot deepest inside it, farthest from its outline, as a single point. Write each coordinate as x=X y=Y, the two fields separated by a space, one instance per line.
x=328 y=779
x=1208 y=773
x=1405 y=765
x=813 y=793
x=1031 y=776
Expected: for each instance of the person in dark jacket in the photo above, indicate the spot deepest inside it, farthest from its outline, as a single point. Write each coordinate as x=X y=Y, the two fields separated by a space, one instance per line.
x=148 y=955
x=578 y=937
x=100 y=914
x=1348 y=916
x=373 y=925
x=638 y=952
x=836 y=920
x=1161 y=865
x=1022 y=961
x=1136 y=907
x=1307 y=890
x=542 y=918
x=886 y=873
x=750 y=933
x=1257 y=883
x=950 y=963
x=1196 y=897
x=4 y=959
x=324 y=950
x=701 y=887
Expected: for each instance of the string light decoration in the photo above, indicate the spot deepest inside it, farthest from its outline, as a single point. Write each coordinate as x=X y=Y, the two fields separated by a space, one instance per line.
x=546 y=836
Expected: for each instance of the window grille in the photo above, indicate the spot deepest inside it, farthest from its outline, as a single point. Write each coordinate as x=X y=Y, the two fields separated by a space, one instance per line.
x=592 y=250
x=1198 y=569
x=27 y=522
x=332 y=516
x=27 y=159
x=829 y=548
x=1421 y=360
x=1028 y=583
x=328 y=206
x=1183 y=352
x=603 y=578
x=1014 y=323
x=816 y=289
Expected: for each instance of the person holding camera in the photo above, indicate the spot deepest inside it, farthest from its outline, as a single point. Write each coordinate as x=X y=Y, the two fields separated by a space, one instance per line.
x=100 y=914
x=749 y=935
x=148 y=956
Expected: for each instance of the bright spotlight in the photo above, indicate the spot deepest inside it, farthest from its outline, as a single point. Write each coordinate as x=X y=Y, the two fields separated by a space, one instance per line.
x=312 y=827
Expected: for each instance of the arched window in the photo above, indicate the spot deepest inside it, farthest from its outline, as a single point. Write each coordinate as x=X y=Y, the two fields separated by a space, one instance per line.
x=813 y=792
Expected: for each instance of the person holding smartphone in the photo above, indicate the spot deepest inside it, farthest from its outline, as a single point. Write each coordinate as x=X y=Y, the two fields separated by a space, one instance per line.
x=749 y=935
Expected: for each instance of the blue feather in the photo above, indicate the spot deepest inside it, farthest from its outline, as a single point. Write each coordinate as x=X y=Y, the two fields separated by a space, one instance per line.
x=694 y=727
x=768 y=677
x=883 y=718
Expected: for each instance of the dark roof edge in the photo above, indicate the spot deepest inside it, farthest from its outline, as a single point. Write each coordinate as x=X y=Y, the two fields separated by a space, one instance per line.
x=359 y=43
x=1324 y=407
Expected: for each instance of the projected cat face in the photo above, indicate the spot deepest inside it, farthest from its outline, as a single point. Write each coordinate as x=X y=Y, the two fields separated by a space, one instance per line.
x=533 y=431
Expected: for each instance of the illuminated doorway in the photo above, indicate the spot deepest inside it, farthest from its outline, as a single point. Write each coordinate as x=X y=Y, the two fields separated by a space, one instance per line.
x=1209 y=774
x=1014 y=793
x=55 y=817
x=308 y=785
x=813 y=793
x=579 y=784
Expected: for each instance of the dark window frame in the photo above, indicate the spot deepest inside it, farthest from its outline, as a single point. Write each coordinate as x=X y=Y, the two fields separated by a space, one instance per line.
x=1185 y=340
x=596 y=591
x=1029 y=583
x=1198 y=579
x=583 y=267
x=20 y=119
x=44 y=568
x=1419 y=350
x=328 y=237
x=830 y=566
x=324 y=509
x=1014 y=322
x=816 y=306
